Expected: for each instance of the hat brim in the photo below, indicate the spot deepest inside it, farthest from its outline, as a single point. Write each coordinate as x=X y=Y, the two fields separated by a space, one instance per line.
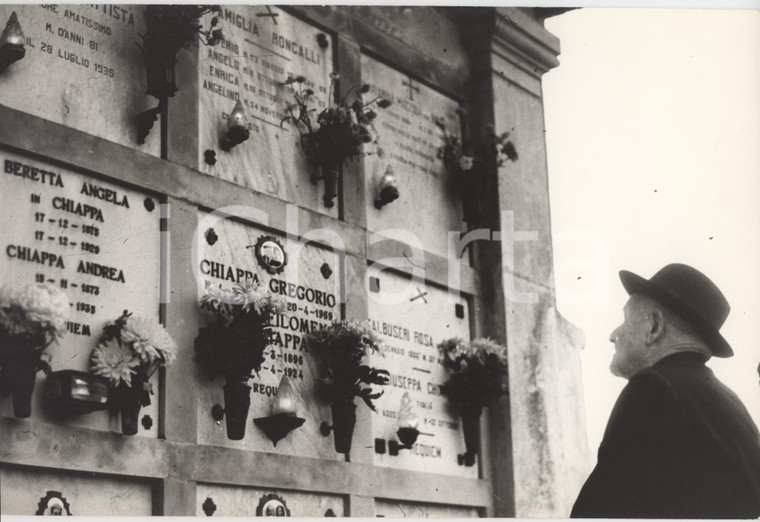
x=635 y=284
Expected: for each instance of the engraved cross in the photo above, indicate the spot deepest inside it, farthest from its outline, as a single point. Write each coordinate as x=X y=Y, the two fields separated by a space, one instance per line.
x=412 y=87
x=421 y=294
x=270 y=14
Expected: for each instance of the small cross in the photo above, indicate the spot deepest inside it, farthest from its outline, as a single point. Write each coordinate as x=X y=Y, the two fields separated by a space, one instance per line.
x=419 y=294
x=412 y=87
x=270 y=14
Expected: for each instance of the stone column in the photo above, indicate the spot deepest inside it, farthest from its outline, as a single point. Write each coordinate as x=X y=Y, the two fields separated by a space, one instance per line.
x=538 y=437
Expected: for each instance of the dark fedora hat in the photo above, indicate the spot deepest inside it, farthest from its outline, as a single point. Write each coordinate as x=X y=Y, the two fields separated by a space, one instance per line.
x=690 y=294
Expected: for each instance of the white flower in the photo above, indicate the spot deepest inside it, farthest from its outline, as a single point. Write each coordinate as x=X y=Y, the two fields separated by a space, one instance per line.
x=114 y=361
x=466 y=162
x=149 y=340
x=34 y=308
x=242 y=298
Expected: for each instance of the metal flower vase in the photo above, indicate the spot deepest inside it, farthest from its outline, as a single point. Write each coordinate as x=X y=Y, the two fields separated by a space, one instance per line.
x=344 y=420
x=127 y=400
x=237 y=401
x=20 y=368
x=471 y=430
x=468 y=185
x=330 y=173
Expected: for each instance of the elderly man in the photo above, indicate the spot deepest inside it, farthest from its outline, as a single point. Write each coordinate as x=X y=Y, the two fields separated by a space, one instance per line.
x=679 y=443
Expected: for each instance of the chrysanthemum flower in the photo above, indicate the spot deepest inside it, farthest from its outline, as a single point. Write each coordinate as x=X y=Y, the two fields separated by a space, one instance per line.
x=149 y=340
x=34 y=308
x=114 y=361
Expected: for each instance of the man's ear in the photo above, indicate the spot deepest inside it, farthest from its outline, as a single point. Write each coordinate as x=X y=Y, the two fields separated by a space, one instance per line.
x=656 y=326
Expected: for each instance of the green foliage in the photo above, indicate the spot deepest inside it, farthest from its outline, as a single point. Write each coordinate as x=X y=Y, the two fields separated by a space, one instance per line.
x=175 y=27
x=340 y=349
x=343 y=128
x=233 y=344
x=461 y=156
x=477 y=371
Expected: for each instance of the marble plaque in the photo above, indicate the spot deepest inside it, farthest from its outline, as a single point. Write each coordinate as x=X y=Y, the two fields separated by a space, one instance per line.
x=264 y=46
x=400 y=509
x=227 y=501
x=96 y=240
x=82 y=69
x=84 y=494
x=411 y=319
x=310 y=284
x=409 y=137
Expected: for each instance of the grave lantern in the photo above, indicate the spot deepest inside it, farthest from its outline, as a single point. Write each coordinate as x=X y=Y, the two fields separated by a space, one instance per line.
x=71 y=392
x=237 y=128
x=387 y=189
x=11 y=43
x=284 y=417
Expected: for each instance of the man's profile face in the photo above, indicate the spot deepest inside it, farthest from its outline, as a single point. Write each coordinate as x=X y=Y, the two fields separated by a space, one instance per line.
x=630 y=339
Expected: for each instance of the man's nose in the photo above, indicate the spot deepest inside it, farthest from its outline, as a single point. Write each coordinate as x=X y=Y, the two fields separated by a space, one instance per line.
x=614 y=334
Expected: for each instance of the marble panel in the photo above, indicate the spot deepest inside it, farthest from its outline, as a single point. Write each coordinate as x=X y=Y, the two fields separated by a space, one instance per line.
x=82 y=69
x=264 y=46
x=96 y=240
x=310 y=283
x=411 y=318
x=428 y=207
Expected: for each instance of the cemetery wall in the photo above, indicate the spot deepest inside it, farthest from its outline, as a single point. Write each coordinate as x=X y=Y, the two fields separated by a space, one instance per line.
x=134 y=202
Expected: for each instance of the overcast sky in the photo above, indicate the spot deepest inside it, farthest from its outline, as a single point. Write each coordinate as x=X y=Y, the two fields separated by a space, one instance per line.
x=653 y=135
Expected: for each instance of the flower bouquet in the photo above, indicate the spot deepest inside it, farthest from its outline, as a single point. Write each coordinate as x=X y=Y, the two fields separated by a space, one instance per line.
x=342 y=128
x=477 y=370
x=466 y=161
x=130 y=351
x=31 y=317
x=340 y=349
x=233 y=344
x=170 y=28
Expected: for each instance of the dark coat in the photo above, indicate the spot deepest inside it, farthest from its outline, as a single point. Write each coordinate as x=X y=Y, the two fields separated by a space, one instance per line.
x=679 y=444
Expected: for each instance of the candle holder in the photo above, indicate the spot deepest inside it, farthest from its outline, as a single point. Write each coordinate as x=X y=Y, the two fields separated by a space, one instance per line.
x=283 y=419
x=237 y=128
x=277 y=427
x=146 y=119
x=71 y=392
x=11 y=43
x=387 y=189
x=407 y=429
x=407 y=437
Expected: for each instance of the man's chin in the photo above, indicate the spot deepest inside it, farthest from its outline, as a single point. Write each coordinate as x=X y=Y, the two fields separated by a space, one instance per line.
x=615 y=368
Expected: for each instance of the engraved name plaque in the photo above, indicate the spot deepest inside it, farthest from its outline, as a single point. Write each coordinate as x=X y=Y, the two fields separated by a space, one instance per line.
x=410 y=139
x=309 y=284
x=264 y=46
x=97 y=241
x=411 y=319
x=82 y=69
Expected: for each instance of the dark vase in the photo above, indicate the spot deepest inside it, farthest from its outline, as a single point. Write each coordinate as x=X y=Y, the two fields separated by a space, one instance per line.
x=130 y=415
x=471 y=429
x=330 y=176
x=21 y=373
x=344 y=420
x=128 y=403
x=19 y=360
x=467 y=186
x=237 y=400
